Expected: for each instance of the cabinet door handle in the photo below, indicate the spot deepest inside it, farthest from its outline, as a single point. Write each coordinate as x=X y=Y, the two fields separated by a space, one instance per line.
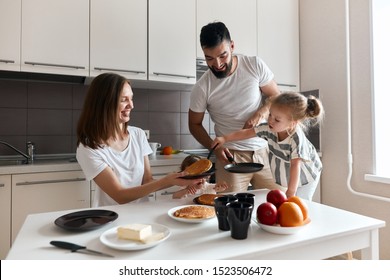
x=119 y=70
x=53 y=65
x=28 y=183
x=160 y=174
x=167 y=193
x=7 y=61
x=2 y=185
x=287 y=85
x=174 y=75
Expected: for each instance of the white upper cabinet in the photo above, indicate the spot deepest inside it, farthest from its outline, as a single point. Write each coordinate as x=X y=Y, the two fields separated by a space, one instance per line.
x=10 y=22
x=172 y=54
x=239 y=17
x=118 y=38
x=55 y=37
x=278 y=40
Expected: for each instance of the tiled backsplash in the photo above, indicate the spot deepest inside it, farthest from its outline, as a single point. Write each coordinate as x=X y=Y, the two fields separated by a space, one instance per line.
x=47 y=114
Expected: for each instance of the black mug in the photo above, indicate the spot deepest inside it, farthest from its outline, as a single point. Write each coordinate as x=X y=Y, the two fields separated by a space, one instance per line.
x=221 y=210
x=239 y=217
x=246 y=197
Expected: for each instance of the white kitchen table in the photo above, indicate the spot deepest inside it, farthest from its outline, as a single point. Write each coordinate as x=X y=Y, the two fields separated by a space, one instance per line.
x=331 y=232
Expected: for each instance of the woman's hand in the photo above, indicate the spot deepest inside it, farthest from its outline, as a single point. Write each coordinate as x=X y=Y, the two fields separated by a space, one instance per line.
x=175 y=180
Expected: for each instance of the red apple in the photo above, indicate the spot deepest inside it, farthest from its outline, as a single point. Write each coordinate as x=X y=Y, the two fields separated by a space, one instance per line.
x=267 y=213
x=276 y=197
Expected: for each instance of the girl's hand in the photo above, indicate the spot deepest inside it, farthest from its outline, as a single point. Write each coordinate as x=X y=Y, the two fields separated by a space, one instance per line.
x=220 y=187
x=290 y=193
x=192 y=189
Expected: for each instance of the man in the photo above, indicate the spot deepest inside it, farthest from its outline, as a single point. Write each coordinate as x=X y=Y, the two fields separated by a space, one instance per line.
x=234 y=91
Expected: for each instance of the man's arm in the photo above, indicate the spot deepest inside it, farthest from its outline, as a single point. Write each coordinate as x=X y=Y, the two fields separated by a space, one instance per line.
x=195 y=125
x=199 y=132
x=268 y=91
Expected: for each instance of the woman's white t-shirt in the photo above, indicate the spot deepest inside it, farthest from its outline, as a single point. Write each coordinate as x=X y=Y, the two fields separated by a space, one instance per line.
x=128 y=165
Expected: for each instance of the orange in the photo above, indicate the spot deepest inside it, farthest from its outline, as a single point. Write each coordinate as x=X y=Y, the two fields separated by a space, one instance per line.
x=302 y=204
x=167 y=150
x=290 y=215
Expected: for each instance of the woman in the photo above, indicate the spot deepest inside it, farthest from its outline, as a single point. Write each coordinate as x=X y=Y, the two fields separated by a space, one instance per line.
x=112 y=153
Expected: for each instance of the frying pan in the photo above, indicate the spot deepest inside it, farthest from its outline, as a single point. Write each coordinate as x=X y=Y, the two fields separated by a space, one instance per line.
x=242 y=167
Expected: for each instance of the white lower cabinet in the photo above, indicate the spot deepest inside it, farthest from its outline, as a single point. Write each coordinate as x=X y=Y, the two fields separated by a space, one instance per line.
x=159 y=172
x=47 y=192
x=5 y=215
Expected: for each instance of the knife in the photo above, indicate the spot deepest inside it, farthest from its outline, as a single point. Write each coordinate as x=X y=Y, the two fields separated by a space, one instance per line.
x=77 y=248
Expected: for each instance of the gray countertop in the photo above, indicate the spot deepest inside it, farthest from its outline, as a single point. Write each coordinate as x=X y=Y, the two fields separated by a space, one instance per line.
x=68 y=163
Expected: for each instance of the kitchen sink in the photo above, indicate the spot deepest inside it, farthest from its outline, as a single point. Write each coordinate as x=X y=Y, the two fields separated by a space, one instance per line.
x=39 y=159
x=8 y=162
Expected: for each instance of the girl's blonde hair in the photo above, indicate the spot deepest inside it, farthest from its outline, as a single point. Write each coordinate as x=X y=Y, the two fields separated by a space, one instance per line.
x=188 y=161
x=306 y=111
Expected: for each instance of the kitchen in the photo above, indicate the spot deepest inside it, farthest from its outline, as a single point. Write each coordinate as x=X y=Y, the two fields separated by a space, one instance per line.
x=163 y=110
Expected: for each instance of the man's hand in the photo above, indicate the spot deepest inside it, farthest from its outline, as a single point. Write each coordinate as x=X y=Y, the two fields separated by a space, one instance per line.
x=221 y=153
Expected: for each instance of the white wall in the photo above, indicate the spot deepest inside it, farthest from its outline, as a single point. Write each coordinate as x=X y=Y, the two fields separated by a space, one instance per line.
x=324 y=66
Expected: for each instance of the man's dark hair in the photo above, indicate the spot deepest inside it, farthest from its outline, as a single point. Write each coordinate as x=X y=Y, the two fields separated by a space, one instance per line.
x=213 y=34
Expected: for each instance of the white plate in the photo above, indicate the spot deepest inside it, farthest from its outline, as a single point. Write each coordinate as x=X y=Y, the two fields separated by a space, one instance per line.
x=277 y=229
x=184 y=220
x=110 y=239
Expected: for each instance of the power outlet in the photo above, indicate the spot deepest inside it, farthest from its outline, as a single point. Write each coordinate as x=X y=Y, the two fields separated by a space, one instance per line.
x=147 y=133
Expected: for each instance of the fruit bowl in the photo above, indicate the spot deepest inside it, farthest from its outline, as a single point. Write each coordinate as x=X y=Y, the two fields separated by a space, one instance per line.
x=277 y=229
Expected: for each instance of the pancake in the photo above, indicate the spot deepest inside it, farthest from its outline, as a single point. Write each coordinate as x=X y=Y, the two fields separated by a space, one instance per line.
x=207 y=199
x=199 y=167
x=195 y=212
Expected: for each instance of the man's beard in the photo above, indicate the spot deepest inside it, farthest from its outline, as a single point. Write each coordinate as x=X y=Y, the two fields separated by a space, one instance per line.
x=222 y=74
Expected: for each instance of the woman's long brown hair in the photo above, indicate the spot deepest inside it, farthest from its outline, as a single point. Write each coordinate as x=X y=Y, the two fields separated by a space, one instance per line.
x=99 y=118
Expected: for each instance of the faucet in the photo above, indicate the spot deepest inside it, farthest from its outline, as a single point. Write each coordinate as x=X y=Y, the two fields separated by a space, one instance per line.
x=30 y=150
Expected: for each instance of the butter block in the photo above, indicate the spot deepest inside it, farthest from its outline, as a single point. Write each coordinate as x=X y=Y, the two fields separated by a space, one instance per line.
x=153 y=238
x=137 y=232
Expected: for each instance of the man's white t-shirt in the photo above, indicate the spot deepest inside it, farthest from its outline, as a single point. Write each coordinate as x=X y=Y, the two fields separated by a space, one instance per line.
x=128 y=165
x=231 y=101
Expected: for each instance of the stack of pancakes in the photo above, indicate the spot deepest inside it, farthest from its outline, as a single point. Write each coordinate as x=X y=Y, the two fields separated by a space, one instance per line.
x=195 y=212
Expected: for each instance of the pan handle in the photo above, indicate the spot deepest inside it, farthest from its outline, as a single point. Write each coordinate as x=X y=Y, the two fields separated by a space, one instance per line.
x=211 y=151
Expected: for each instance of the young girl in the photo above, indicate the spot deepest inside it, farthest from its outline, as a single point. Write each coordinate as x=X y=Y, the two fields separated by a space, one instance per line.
x=294 y=161
x=199 y=188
